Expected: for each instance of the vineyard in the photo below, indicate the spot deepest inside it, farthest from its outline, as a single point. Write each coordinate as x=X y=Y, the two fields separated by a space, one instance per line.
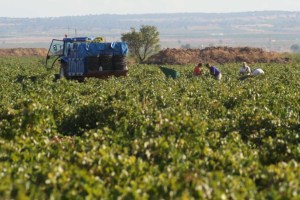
x=147 y=136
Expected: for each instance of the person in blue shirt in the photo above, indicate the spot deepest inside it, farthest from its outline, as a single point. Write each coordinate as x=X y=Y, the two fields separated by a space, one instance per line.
x=214 y=71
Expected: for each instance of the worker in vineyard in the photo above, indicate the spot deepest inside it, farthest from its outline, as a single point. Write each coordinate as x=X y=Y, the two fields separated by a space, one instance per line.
x=245 y=69
x=198 y=70
x=257 y=72
x=214 y=71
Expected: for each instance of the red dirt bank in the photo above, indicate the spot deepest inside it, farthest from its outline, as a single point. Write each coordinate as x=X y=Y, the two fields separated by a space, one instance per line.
x=215 y=55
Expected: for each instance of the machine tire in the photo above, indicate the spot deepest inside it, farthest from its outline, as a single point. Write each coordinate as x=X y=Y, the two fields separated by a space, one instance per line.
x=61 y=73
x=62 y=70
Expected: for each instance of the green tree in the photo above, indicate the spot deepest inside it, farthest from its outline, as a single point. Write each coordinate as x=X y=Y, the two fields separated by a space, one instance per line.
x=142 y=43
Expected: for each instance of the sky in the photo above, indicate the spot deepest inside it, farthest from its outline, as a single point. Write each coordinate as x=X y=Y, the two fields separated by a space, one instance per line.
x=56 y=8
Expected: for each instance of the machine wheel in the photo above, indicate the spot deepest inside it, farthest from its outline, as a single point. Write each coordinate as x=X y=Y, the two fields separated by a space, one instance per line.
x=61 y=73
x=62 y=70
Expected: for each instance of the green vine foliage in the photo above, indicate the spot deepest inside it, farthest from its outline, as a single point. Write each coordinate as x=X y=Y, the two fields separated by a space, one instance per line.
x=147 y=136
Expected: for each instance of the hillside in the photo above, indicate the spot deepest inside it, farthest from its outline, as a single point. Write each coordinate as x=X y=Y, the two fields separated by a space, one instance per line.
x=272 y=30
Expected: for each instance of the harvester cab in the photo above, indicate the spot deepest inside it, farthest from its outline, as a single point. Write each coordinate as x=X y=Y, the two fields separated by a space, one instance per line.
x=83 y=57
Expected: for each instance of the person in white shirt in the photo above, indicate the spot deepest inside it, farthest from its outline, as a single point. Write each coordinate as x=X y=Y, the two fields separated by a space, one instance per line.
x=245 y=69
x=257 y=72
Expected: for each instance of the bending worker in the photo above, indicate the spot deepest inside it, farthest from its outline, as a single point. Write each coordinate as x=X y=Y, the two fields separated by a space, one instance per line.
x=214 y=71
x=198 y=70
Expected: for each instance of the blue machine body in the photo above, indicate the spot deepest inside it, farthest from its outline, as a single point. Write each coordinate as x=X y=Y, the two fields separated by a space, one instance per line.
x=76 y=50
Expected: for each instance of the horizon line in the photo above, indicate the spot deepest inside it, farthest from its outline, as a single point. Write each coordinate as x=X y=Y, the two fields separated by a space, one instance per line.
x=166 y=13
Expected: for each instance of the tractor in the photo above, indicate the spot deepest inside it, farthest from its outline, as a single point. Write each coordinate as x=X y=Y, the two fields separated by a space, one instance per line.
x=82 y=57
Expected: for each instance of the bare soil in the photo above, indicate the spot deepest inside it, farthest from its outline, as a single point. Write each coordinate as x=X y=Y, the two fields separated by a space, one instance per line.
x=216 y=55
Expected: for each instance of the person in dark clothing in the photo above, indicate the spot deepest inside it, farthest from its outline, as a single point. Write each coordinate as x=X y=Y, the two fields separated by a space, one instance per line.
x=214 y=71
